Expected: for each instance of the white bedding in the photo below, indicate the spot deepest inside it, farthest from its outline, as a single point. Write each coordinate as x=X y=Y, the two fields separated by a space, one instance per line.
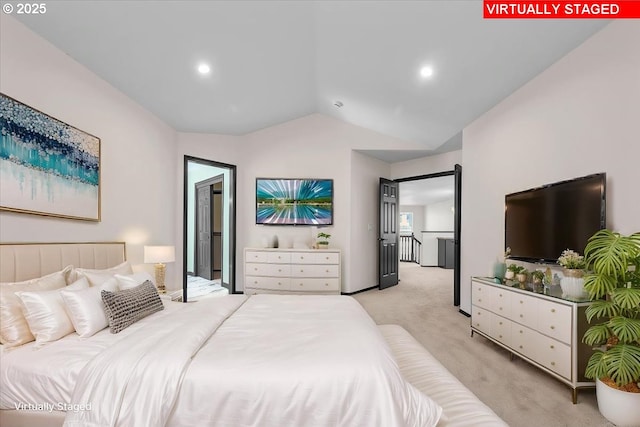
x=277 y=361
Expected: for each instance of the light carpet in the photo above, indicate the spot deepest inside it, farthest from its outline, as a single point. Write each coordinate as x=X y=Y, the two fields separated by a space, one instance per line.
x=518 y=392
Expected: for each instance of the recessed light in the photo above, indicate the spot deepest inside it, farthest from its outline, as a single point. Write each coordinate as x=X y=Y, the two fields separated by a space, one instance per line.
x=204 y=69
x=426 y=71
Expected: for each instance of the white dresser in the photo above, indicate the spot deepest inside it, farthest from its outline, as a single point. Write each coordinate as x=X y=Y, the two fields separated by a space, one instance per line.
x=544 y=330
x=292 y=271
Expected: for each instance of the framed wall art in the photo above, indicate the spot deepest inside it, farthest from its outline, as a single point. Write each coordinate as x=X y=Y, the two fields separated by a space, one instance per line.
x=47 y=167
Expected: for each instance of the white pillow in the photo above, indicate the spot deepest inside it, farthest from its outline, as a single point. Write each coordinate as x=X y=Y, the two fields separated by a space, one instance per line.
x=86 y=309
x=45 y=312
x=14 y=330
x=98 y=277
x=132 y=280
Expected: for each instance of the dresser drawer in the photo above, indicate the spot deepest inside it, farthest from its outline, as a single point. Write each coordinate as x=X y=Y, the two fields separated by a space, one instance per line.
x=524 y=310
x=315 y=285
x=483 y=296
x=554 y=355
x=554 y=320
x=481 y=319
x=255 y=256
x=269 y=283
x=318 y=257
x=501 y=329
x=279 y=270
x=501 y=303
x=279 y=257
x=524 y=340
x=305 y=270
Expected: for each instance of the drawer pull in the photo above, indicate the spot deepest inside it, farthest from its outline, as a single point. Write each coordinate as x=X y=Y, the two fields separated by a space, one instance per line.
x=301 y=257
x=520 y=346
x=501 y=323
x=327 y=258
x=255 y=268
x=553 y=363
x=500 y=294
x=279 y=270
x=479 y=313
x=552 y=347
x=500 y=308
x=520 y=331
x=301 y=284
x=479 y=299
x=327 y=271
x=255 y=282
x=553 y=327
x=521 y=315
x=553 y=310
x=521 y=302
x=301 y=271
x=326 y=284
x=500 y=336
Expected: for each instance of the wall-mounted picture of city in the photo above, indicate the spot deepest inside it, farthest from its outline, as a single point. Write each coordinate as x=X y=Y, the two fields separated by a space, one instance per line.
x=294 y=201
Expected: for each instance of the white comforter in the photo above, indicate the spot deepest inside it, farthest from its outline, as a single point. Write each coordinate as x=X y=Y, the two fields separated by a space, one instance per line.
x=276 y=361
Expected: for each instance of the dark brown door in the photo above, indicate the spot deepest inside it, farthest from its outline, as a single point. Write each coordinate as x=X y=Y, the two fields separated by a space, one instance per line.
x=203 y=232
x=388 y=234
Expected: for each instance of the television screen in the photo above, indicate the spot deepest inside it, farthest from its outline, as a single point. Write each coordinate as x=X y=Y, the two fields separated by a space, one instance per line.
x=294 y=201
x=542 y=222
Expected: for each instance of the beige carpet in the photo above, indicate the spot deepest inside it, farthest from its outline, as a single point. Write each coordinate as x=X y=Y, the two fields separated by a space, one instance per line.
x=519 y=393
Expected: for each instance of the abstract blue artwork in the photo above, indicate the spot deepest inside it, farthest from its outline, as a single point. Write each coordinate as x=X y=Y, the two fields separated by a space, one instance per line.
x=47 y=167
x=294 y=201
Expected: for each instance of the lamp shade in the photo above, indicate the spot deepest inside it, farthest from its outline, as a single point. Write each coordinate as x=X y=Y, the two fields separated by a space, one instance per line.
x=159 y=254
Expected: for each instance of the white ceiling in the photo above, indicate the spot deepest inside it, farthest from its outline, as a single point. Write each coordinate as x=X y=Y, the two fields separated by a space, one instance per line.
x=426 y=191
x=273 y=61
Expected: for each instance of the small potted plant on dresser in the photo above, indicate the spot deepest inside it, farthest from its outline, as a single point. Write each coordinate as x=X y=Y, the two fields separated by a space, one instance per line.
x=323 y=240
x=537 y=276
x=614 y=280
x=512 y=271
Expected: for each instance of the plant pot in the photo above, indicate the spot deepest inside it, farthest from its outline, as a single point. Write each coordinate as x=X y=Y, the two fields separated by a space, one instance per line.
x=572 y=284
x=619 y=407
x=322 y=245
x=509 y=275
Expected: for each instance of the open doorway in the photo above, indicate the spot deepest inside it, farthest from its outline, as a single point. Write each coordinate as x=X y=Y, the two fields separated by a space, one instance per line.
x=209 y=228
x=429 y=223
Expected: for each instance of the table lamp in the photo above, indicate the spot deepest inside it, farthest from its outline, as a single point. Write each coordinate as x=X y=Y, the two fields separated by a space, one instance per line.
x=158 y=255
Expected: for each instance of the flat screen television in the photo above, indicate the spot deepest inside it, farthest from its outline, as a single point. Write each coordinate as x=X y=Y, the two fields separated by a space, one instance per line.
x=542 y=222
x=286 y=201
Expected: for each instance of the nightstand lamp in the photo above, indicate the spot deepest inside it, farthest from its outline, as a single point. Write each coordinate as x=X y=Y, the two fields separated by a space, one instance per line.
x=159 y=255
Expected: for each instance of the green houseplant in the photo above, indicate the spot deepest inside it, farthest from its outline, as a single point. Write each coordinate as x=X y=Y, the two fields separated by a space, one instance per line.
x=323 y=240
x=512 y=270
x=614 y=281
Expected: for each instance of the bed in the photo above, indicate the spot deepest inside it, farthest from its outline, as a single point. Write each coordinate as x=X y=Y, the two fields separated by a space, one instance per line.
x=264 y=360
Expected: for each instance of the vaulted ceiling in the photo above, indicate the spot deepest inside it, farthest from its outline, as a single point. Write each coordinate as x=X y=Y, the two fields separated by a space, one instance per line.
x=274 y=61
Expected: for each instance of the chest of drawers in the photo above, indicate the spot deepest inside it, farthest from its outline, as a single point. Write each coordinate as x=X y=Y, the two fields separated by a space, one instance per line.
x=541 y=329
x=292 y=271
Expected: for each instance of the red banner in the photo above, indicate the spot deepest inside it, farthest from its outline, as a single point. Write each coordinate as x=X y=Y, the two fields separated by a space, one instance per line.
x=496 y=9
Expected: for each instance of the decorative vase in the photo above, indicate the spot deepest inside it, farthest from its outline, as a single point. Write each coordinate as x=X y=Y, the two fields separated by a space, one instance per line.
x=509 y=275
x=619 y=407
x=572 y=284
x=522 y=279
x=499 y=270
x=538 y=286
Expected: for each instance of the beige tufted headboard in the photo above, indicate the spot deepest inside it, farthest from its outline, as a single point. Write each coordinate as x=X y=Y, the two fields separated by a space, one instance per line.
x=24 y=261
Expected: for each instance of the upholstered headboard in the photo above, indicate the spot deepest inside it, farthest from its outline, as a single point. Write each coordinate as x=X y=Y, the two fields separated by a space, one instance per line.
x=24 y=261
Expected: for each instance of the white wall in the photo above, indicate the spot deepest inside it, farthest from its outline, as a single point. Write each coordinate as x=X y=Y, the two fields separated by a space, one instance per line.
x=444 y=162
x=364 y=195
x=138 y=150
x=439 y=216
x=578 y=117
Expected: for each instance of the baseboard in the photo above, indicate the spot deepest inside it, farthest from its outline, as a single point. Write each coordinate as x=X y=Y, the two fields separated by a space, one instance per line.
x=361 y=290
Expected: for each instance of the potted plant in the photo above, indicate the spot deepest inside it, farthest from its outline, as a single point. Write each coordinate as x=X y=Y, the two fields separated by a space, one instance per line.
x=572 y=282
x=512 y=270
x=537 y=276
x=522 y=277
x=323 y=240
x=614 y=280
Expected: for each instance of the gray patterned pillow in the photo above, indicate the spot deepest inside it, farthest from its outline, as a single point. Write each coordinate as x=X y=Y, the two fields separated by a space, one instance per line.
x=126 y=307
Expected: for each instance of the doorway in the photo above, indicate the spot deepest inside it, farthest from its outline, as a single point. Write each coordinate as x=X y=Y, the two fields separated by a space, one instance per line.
x=209 y=228
x=429 y=232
